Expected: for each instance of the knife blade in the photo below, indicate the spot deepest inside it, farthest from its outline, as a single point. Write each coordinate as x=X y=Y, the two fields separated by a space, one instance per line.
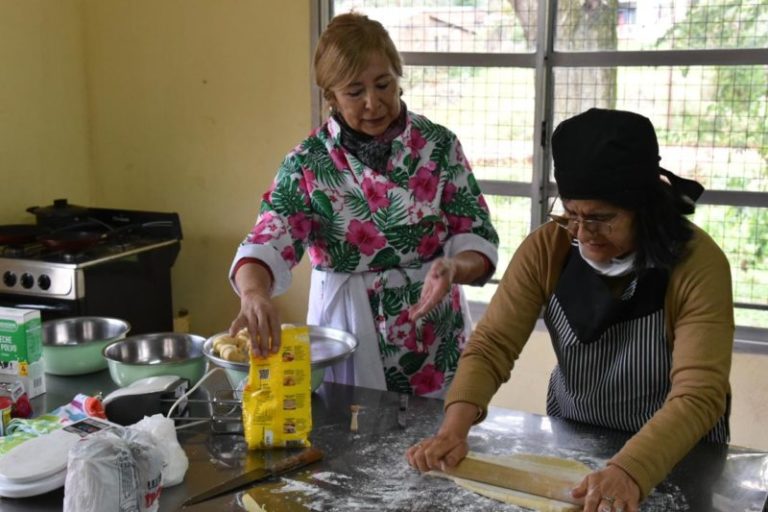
x=305 y=457
x=401 y=412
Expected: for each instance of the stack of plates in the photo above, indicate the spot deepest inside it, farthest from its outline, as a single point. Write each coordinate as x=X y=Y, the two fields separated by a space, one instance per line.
x=23 y=472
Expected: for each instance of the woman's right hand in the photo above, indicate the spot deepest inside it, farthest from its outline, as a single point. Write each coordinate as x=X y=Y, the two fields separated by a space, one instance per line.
x=259 y=314
x=257 y=311
x=445 y=449
x=449 y=446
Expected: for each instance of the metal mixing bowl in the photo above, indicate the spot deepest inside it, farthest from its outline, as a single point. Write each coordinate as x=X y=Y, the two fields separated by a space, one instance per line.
x=148 y=355
x=73 y=346
x=328 y=346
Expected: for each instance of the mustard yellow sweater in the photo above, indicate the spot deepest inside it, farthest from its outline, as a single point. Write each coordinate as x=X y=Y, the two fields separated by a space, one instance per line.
x=699 y=321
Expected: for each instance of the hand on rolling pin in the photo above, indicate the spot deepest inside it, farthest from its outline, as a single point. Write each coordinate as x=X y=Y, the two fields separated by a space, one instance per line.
x=257 y=311
x=610 y=489
x=449 y=446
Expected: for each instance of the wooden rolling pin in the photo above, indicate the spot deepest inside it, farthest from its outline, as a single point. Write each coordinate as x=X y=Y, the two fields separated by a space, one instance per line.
x=525 y=476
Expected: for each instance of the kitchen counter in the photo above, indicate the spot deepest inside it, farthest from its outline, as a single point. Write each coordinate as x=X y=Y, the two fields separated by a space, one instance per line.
x=367 y=470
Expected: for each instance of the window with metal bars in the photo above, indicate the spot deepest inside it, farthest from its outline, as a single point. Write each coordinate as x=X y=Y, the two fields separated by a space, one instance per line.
x=503 y=73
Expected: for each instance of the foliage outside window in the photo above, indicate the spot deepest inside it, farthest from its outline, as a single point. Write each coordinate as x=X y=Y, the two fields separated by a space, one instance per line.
x=502 y=73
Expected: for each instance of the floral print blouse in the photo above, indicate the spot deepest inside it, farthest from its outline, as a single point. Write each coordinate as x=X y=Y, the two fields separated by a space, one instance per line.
x=351 y=218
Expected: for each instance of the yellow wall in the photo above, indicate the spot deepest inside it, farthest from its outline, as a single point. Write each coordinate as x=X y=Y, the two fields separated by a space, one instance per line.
x=43 y=119
x=177 y=105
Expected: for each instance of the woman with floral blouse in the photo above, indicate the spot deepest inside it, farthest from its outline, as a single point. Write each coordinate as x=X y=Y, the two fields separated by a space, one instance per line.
x=385 y=203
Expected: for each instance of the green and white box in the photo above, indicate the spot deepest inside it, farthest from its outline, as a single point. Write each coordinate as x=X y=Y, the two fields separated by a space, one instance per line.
x=21 y=349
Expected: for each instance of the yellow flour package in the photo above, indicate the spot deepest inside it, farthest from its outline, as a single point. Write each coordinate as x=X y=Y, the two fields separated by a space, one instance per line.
x=277 y=399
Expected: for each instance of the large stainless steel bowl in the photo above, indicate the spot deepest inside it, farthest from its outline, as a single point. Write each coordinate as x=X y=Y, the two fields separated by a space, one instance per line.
x=148 y=355
x=73 y=346
x=328 y=346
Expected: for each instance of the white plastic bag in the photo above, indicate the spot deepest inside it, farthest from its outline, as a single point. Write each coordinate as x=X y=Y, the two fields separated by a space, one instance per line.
x=175 y=461
x=117 y=469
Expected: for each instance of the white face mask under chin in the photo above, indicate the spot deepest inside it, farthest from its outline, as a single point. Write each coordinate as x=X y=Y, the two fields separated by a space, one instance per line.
x=616 y=267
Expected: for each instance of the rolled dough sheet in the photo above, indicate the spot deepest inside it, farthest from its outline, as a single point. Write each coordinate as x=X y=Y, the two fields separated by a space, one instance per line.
x=567 y=467
x=251 y=505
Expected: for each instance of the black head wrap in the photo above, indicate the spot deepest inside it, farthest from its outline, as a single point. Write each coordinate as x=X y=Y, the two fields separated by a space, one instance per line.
x=613 y=155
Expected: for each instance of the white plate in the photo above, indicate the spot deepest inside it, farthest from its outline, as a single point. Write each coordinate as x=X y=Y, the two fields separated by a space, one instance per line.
x=37 y=458
x=47 y=484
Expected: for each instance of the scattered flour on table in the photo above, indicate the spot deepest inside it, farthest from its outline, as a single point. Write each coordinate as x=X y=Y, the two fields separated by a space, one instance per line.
x=665 y=498
x=388 y=483
x=331 y=477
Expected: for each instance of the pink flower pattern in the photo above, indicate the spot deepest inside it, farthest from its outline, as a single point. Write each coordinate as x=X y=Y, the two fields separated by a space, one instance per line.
x=289 y=254
x=428 y=380
x=376 y=193
x=365 y=236
x=350 y=218
x=300 y=225
x=424 y=184
x=428 y=246
x=460 y=224
x=417 y=142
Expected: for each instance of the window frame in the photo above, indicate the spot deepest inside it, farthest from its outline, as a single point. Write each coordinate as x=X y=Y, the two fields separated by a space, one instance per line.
x=541 y=191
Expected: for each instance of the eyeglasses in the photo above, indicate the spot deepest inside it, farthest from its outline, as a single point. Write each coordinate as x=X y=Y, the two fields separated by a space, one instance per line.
x=593 y=226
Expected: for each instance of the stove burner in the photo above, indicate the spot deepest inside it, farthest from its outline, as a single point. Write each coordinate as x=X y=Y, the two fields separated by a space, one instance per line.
x=12 y=251
x=104 y=233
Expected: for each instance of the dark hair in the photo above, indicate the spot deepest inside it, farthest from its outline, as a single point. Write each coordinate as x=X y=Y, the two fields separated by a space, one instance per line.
x=662 y=231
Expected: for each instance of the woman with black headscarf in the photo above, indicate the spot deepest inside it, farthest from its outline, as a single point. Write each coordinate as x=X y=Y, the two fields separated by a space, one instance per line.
x=637 y=301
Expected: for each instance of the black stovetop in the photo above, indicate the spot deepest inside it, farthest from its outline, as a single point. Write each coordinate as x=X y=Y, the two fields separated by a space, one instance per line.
x=120 y=231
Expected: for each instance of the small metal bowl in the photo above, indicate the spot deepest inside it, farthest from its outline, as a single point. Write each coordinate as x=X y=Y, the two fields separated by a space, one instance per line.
x=328 y=346
x=73 y=346
x=148 y=355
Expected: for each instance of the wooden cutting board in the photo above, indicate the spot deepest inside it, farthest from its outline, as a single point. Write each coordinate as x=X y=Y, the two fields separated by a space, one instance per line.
x=536 y=481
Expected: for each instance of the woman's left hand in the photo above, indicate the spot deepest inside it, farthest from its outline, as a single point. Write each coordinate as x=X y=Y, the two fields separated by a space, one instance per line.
x=610 y=489
x=437 y=283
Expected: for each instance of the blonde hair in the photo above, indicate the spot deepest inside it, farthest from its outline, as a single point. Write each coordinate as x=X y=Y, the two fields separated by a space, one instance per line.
x=345 y=47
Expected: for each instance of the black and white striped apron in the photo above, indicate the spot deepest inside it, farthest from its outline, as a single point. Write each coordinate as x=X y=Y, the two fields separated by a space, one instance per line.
x=613 y=354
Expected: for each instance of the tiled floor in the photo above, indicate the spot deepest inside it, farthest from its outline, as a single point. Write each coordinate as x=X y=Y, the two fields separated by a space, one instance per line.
x=527 y=387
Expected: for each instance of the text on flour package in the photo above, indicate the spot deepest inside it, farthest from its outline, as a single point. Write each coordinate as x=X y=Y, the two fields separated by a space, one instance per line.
x=277 y=398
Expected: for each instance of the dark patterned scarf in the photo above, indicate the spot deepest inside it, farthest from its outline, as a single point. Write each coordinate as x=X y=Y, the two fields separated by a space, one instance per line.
x=372 y=151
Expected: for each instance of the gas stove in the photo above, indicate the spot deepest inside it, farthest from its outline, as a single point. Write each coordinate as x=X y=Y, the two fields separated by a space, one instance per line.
x=61 y=274
x=123 y=269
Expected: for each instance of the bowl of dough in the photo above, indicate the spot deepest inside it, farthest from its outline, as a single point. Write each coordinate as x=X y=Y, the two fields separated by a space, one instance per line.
x=328 y=346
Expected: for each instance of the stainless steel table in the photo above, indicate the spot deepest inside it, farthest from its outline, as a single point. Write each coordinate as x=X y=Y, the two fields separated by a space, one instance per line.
x=367 y=470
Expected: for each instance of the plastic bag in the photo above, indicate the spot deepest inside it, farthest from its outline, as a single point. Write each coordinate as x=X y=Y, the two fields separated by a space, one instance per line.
x=175 y=461
x=277 y=399
x=117 y=469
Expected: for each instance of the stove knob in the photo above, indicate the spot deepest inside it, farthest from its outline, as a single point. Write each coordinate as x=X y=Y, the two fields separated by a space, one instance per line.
x=44 y=282
x=9 y=279
x=27 y=281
